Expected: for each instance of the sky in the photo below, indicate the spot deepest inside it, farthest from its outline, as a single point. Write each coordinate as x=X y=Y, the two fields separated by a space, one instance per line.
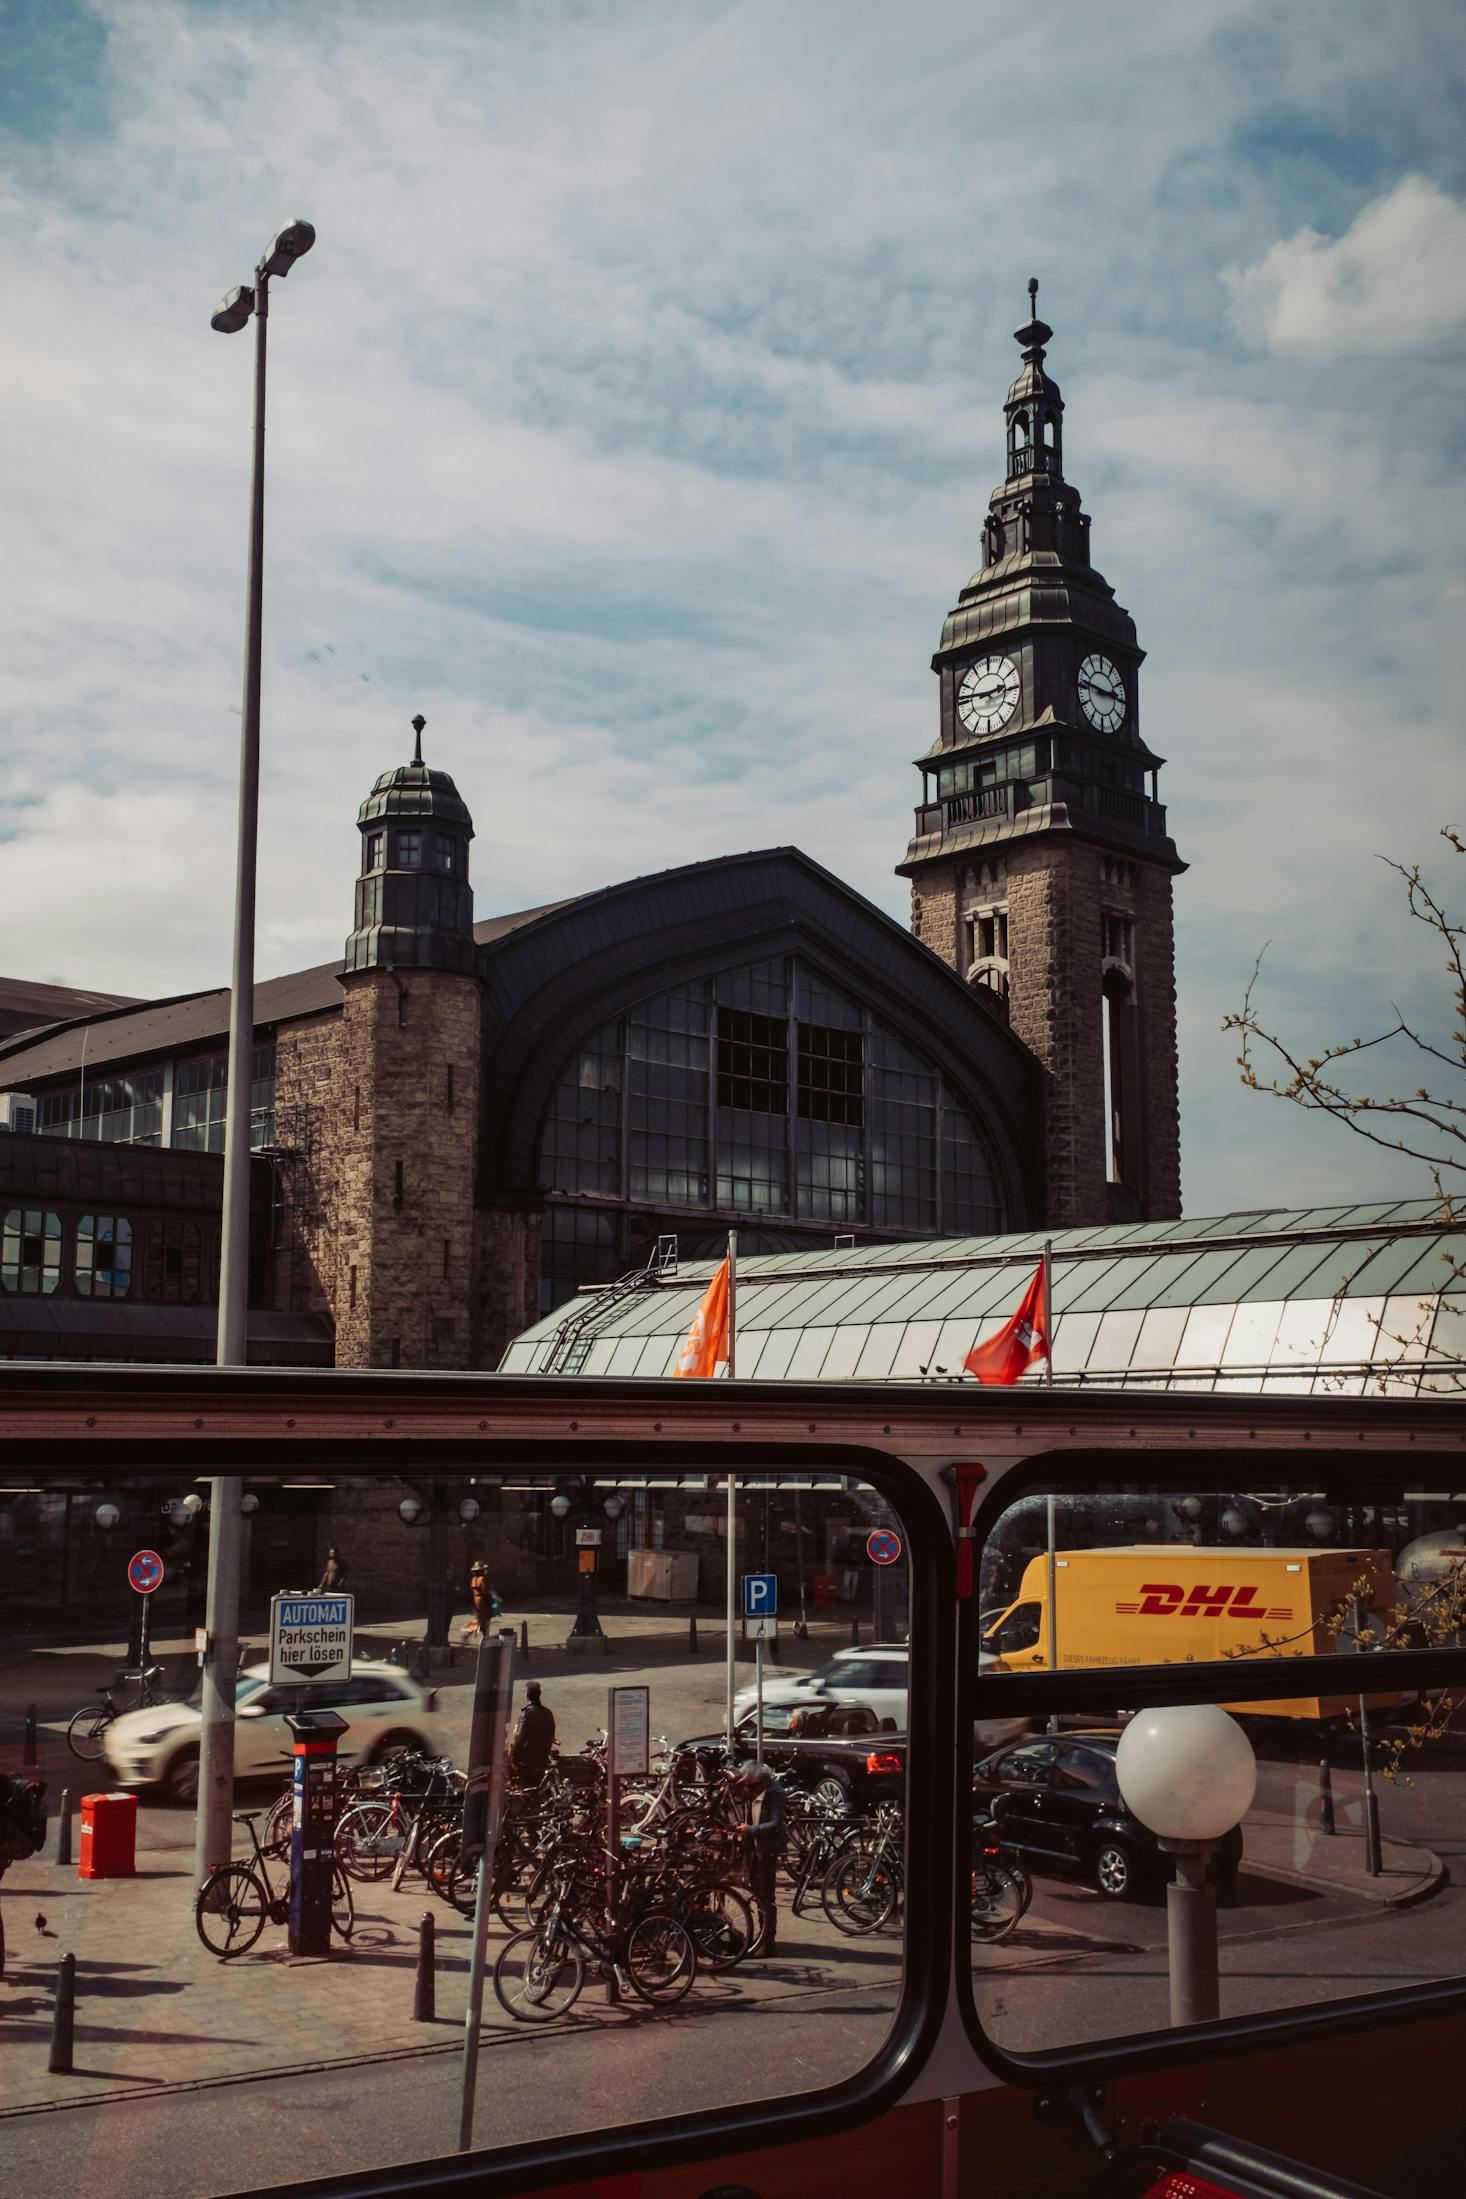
x=634 y=419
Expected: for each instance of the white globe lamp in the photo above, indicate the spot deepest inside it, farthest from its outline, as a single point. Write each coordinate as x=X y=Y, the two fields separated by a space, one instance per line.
x=1188 y=1773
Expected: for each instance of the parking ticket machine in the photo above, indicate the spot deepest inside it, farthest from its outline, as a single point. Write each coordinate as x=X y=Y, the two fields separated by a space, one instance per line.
x=313 y=1829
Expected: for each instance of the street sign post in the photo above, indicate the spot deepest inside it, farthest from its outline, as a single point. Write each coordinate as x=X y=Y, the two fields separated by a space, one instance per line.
x=761 y=1624
x=310 y=1637
x=145 y=1574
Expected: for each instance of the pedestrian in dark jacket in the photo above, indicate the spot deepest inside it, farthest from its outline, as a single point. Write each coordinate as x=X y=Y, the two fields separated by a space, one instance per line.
x=767 y=1831
x=534 y=1737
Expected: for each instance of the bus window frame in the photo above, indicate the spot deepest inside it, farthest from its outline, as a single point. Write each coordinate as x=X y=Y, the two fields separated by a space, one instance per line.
x=1153 y=1687
x=886 y=2079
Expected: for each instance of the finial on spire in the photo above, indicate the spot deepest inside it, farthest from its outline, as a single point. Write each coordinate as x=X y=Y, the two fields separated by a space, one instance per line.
x=1033 y=294
x=417 y=726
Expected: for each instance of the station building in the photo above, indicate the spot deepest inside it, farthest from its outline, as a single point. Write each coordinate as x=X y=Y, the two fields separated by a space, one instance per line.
x=461 y=1121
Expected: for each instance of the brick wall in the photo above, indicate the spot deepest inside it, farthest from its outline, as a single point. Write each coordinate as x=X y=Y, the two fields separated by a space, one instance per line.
x=506 y=1281
x=1156 y=980
x=308 y=1126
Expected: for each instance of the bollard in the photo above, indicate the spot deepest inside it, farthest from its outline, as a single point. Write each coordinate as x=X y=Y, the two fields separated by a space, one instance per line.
x=692 y=1635
x=28 y=1755
x=424 y=1997
x=63 y=1828
x=63 y=2023
x=613 y=1987
x=524 y=1639
x=1325 y=1796
x=855 y=1633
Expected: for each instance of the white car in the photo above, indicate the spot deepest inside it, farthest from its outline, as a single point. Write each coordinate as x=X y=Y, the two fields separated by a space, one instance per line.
x=875 y=1676
x=383 y=1709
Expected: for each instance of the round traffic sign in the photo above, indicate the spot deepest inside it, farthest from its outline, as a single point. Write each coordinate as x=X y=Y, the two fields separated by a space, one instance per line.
x=883 y=1546
x=145 y=1571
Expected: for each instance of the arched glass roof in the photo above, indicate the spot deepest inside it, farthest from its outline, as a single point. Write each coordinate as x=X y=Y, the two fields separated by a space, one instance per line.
x=1328 y=1298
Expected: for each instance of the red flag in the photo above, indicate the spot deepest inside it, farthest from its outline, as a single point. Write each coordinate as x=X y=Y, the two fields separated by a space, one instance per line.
x=705 y=1346
x=1018 y=1342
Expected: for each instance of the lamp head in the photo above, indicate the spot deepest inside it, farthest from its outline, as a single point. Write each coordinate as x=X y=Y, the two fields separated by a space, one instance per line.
x=1187 y=1772
x=107 y=1516
x=560 y=1506
x=291 y=244
x=408 y=1511
x=233 y=310
x=468 y=1510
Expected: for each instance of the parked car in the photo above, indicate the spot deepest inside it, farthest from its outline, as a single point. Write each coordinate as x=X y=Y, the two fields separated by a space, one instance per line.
x=383 y=1709
x=875 y=1676
x=842 y=1753
x=1056 y=1802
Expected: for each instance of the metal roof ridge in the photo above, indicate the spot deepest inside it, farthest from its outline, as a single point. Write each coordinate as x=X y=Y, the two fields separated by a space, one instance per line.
x=1143 y=1248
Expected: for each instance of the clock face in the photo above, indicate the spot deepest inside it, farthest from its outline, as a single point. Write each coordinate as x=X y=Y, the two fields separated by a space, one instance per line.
x=987 y=694
x=1101 y=693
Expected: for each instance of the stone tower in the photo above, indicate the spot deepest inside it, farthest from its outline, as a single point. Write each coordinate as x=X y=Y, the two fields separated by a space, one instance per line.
x=1041 y=867
x=406 y=1070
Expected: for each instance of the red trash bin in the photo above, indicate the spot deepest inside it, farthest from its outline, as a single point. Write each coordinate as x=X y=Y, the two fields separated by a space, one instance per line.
x=108 y=1836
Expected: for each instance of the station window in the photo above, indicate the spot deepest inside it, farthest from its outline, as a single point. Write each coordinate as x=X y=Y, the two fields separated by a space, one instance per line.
x=172 y=1268
x=104 y=1256
x=30 y=1252
x=753 y=1062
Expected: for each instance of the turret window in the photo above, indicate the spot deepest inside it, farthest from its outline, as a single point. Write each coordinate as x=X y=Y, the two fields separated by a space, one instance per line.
x=445 y=855
x=376 y=849
x=409 y=850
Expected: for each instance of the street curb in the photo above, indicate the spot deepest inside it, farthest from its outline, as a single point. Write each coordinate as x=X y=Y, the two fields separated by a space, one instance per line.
x=1428 y=1881
x=429 y=2048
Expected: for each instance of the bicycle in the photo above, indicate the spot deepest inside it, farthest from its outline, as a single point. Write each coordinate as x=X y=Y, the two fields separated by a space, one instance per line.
x=86 y=1735
x=1001 y=1888
x=237 y=1900
x=540 y=1972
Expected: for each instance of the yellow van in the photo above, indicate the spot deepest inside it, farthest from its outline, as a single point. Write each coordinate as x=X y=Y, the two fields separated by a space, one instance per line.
x=1177 y=1603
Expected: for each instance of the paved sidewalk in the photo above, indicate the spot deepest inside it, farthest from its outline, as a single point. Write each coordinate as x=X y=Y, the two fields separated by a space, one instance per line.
x=156 y=2011
x=1334 y=1863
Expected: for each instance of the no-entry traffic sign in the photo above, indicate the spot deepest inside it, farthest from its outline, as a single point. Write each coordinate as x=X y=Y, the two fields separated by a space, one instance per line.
x=310 y=1637
x=883 y=1546
x=145 y=1571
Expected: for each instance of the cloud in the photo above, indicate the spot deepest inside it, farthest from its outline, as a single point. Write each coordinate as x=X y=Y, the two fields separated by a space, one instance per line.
x=1396 y=278
x=635 y=416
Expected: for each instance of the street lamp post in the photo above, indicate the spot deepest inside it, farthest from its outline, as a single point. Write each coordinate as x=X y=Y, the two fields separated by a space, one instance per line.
x=214 y=1836
x=587 y=1627
x=435 y=1498
x=1190 y=1775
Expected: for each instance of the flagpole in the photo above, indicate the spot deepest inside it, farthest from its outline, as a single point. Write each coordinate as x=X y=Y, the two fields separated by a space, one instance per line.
x=1049 y=1501
x=732 y=1485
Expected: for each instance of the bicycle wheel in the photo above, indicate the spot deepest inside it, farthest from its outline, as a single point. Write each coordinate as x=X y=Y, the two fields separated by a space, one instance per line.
x=721 y=1924
x=859 y=1894
x=343 y=1908
x=538 y=1976
x=279 y=1825
x=661 y=1960
x=367 y=1841
x=230 y=1910
x=997 y=1903
x=441 y=1861
x=86 y=1736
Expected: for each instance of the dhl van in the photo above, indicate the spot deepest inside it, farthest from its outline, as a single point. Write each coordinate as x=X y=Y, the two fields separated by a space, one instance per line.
x=1179 y=1603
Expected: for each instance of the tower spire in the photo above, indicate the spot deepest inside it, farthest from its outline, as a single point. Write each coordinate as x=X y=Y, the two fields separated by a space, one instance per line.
x=417 y=726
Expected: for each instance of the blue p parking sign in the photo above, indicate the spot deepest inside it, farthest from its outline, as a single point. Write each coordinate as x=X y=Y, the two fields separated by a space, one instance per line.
x=760 y=1595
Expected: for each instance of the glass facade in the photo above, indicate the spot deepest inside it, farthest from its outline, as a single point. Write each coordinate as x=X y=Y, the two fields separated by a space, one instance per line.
x=762 y=1095
x=200 y=1101
x=126 y=1109
x=30 y=1251
x=103 y=1256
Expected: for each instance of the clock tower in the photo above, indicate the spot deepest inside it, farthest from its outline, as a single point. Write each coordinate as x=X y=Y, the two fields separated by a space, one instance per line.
x=1041 y=867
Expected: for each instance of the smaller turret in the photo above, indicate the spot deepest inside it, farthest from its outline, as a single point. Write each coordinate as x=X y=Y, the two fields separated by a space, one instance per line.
x=414 y=904
x=1034 y=408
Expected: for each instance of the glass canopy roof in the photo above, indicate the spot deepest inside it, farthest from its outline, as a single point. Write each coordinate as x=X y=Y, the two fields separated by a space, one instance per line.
x=1338 y=1298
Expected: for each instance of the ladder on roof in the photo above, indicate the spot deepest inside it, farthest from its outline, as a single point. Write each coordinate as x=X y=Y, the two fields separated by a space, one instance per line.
x=569 y=1347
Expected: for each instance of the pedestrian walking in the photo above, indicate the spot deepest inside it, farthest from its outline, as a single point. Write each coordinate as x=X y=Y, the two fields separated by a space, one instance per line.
x=534 y=1737
x=485 y=1600
x=333 y=1576
x=766 y=1833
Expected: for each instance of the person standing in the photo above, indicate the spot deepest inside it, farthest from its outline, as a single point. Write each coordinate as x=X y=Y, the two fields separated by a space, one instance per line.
x=766 y=1833
x=534 y=1737
x=486 y=1604
x=333 y=1577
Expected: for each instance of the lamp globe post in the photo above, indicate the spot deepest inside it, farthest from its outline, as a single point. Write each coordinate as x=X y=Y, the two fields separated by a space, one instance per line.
x=1189 y=1774
x=587 y=1627
x=214 y=1831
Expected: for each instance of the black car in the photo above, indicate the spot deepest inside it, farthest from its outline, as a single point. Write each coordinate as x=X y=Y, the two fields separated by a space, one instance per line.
x=843 y=1753
x=1056 y=1802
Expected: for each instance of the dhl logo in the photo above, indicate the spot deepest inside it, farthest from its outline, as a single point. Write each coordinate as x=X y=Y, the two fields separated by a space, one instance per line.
x=1169 y=1600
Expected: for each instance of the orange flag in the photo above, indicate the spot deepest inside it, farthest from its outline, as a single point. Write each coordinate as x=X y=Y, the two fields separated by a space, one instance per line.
x=706 y=1342
x=1018 y=1342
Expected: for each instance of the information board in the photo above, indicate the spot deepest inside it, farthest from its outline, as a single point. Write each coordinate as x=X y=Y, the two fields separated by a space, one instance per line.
x=628 y=1726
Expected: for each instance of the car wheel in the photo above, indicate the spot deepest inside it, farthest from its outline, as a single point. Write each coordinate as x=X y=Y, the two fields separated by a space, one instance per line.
x=393 y=1744
x=833 y=1795
x=181 y=1778
x=1114 y=1870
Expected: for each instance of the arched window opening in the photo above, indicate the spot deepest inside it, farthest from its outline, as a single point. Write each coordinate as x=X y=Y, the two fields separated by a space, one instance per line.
x=1122 y=1142
x=104 y=1256
x=30 y=1252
